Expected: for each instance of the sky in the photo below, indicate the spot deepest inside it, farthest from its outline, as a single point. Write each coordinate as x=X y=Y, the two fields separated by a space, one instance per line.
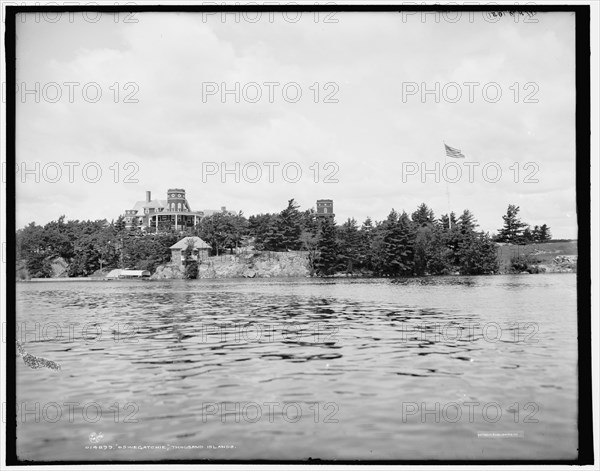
x=354 y=107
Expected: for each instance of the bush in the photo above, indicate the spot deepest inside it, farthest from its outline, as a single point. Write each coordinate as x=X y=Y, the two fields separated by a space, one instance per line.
x=523 y=263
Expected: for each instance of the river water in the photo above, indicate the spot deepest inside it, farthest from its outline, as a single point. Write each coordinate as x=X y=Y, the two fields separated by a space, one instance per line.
x=427 y=368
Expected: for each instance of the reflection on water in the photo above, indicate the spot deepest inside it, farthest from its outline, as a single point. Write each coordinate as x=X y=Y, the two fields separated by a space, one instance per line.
x=292 y=369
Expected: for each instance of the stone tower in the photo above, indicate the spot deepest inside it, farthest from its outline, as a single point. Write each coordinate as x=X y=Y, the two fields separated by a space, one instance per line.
x=325 y=208
x=176 y=200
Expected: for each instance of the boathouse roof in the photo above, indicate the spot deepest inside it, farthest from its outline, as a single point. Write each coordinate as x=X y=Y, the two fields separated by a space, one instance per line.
x=183 y=243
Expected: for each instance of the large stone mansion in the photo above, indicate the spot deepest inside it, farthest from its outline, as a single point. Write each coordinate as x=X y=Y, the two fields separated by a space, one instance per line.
x=174 y=212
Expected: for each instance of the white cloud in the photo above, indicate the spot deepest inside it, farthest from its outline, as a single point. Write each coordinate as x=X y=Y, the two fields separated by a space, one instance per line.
x=368 y=133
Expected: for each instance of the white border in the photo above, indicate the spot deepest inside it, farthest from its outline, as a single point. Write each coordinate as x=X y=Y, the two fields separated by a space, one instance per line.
x=595 y=212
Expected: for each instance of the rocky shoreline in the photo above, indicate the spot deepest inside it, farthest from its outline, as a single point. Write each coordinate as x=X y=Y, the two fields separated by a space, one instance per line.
x=560 y=264
x=252 y=265
x=292 y=264
x=282 y=265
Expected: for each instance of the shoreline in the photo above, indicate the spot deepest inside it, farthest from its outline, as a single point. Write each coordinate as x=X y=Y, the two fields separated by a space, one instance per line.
x=330 y=277
x=512 y=260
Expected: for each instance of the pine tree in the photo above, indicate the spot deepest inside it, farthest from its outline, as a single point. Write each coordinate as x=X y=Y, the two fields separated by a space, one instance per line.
x=327 y=251
x=512 y=231
x=545 y=233
x=440 y=258
x=398 y=245
x=366 y=241
x=448 y=221
x=349 y=246
x=290 y=226
x=423 y=240
x=273 y=239
x=423 y=215
x=466 y=222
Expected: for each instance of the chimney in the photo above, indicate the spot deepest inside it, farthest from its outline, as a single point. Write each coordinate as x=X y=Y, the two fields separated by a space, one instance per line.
x=148 y=197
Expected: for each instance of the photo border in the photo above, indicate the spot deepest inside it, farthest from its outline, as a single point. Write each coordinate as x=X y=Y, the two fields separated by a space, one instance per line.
x=583 y=161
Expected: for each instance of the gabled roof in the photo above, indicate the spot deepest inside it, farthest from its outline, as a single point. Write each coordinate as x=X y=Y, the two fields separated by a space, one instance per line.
x=183 y=243
x=140 y=205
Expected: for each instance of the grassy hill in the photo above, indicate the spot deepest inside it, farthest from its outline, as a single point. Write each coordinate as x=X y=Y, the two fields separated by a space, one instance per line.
x=544 y=253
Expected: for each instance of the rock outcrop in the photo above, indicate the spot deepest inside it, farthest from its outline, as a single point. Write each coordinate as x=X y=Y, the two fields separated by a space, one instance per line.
x=250 y=265
x=562 y=264
x=167 y=272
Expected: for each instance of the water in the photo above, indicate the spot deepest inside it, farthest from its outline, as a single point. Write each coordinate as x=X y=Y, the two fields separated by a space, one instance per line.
x=292 y=369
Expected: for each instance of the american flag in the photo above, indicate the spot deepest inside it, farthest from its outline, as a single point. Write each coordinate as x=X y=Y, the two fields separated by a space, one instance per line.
x=454 y=153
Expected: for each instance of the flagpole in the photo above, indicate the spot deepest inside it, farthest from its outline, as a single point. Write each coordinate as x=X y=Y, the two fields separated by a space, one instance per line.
x=447 y=190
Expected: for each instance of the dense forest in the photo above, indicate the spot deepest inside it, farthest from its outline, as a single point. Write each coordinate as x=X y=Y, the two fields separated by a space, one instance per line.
x=400 y=245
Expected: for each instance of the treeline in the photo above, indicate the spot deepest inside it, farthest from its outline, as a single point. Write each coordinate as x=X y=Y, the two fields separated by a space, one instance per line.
x=515 y=231
x=400 y=245
x=87 y=246
x=403 y=245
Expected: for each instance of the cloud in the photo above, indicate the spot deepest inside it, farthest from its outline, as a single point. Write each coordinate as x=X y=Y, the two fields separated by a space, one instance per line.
x=155 y=113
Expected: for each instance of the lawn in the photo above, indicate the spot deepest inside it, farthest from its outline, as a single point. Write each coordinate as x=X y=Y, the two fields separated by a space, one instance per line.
x=545 y=252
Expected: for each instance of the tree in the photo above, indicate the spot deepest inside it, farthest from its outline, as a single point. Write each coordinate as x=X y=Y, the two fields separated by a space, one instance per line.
x=146 y=252
x=397 y=245
x=366 y=244
x=422 y=243
x=59 y=237
x=273 y=236
x=238 y=228
x=266 y=230
x=309 y=236
x=538 y=234
x=423 y=215
x=219 y=231
x=545 y=233
x=135 y=227
x=349 y=246
x=327 y=250
x=309 y=222
x=120 y=224
x=512 y=231
x=87 y=244
x=39 y=266
x=466 y=222
x=478 y=255
x=439 y=255
x=189 y=261
x=290 y=226
x=448 y=221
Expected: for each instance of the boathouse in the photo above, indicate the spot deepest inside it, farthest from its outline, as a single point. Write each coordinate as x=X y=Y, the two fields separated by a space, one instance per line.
x=200 y=250
x=124 y=274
